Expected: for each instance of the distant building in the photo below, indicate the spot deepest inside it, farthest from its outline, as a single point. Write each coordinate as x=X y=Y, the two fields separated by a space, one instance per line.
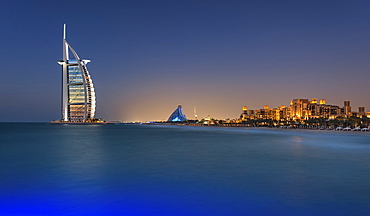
x=361 y=112
x=78 y=93
x=177 y=115
x=303 y=109
x=299 y=108
x=244 y=114
x=347 y=109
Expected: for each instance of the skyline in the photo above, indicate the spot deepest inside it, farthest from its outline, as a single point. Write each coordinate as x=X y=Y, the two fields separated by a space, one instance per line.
x=346 y=113
x=216 y=56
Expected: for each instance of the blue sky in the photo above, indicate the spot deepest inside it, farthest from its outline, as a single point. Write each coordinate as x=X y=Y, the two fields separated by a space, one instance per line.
x=149 y=56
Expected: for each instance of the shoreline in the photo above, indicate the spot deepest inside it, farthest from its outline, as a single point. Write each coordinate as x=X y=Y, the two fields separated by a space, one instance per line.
x=266 y=128
x=78 y=123
x=296 y=129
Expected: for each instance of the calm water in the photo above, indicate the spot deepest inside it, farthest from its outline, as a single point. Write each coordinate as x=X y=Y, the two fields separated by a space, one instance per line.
x=163 y=170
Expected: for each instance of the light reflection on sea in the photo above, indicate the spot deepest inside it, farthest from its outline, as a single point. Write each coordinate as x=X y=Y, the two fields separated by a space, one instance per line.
x=178 y=170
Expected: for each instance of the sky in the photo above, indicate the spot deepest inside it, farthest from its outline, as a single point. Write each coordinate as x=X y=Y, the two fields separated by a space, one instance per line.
x=148 y=56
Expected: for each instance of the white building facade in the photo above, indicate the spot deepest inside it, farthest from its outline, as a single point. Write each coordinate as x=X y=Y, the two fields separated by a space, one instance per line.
x=78 y=93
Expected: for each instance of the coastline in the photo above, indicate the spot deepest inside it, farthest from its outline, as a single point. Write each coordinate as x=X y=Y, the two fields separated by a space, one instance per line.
x=81 y=123
x=312 y=130
x=233 y=127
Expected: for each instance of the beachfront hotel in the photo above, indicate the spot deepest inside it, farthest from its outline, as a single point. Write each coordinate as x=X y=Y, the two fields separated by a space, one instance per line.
x=78 y=95
x=303 y=109
x=177 y=115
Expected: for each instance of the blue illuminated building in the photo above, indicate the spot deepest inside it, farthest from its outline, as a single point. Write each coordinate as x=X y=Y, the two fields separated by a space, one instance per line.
x=177 y=115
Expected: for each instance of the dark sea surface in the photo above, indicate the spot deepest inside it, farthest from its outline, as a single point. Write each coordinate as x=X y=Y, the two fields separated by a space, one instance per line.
x=180 y=170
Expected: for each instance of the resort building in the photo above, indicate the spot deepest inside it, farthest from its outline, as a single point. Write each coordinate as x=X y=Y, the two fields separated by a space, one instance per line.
x=78 y=94
x=302 y=109
x=177 y=115
x=361 y=111
x=347 y=109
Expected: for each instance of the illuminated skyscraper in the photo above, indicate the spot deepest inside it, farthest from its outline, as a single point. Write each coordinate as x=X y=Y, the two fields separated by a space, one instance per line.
x=78 y=95
x=177 y=115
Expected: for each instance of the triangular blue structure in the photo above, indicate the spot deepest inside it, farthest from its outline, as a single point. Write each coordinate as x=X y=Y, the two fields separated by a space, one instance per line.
x=177 y=115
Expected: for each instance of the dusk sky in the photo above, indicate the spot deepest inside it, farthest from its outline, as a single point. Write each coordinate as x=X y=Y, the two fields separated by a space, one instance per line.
x=149 y=56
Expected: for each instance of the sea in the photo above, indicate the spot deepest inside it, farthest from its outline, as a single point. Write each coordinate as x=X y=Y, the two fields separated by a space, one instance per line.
x=52 y=169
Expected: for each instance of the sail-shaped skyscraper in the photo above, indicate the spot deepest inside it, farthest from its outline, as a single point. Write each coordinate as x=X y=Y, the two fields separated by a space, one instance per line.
x=177 y=115
x=78 y=94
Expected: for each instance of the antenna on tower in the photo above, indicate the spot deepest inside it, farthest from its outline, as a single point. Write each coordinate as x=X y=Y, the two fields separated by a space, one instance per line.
x=64 y=31
x=65 y=46
x=195 y=113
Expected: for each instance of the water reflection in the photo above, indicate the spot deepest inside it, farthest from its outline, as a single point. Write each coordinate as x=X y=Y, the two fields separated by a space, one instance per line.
x=83 y=170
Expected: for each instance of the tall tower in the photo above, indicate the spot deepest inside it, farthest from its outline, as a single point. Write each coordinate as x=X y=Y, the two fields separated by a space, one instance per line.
x=244 y=114
x=195 y=113
x=78 y=94
x=347 y=108
x=361 y=111
x=245 y=109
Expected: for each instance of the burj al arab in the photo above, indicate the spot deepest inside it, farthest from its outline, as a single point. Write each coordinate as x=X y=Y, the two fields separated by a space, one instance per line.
x=78 y=94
